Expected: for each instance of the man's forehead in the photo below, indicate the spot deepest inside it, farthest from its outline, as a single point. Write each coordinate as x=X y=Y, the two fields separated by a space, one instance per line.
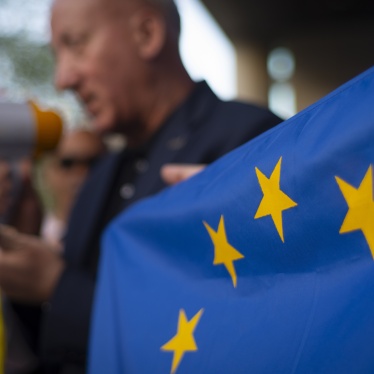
x=62 y=9
x=75 y=7
x=71 y=16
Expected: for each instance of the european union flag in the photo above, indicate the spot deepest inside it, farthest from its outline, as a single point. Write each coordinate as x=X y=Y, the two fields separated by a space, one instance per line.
x=263 y=263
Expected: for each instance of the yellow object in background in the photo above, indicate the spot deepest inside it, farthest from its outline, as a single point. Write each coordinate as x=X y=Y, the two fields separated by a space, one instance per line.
x=49 y=128
x=2 y=342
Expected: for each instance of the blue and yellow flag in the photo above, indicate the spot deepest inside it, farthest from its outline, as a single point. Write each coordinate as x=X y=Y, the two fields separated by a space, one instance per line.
x=263 y=263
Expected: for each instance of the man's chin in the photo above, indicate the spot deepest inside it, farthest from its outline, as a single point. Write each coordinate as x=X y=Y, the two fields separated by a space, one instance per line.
x=103 y=125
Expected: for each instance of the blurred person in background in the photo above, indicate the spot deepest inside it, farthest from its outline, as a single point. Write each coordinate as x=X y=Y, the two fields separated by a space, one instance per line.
x=121 y=58
x=63 y=174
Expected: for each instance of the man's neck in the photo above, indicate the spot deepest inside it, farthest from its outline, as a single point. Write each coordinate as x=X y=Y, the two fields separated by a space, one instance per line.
x=168 y=95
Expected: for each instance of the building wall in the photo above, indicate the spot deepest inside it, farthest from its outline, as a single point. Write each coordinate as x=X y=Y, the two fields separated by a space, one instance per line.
x=252 y=77
x=326 y=56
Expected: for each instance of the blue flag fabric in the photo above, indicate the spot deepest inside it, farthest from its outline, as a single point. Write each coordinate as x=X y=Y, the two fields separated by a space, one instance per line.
x=263 y=263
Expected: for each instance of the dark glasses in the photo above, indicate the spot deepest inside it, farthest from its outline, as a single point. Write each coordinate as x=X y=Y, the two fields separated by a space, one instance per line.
x=70 y=162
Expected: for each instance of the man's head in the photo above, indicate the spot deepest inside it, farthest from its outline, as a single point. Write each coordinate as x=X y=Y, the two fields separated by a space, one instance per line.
x=117 y=56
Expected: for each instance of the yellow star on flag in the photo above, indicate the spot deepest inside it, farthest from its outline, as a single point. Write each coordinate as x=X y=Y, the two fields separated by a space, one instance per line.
x=184 y=340
x=224 y=253
x=274 y=201
x=360 y=215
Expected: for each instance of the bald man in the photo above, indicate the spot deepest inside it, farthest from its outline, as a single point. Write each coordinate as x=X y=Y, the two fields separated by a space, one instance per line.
x=121 y=59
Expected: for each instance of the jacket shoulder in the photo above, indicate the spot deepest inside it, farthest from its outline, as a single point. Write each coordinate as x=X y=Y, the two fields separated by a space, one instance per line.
x=246 y=113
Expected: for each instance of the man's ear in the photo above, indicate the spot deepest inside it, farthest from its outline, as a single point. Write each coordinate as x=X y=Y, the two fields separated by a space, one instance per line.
x=150 y=33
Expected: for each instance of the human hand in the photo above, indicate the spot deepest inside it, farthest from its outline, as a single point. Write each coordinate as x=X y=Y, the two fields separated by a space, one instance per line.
x=20 y=206
x=29 y=267
x=5 y=188
x=175 y=173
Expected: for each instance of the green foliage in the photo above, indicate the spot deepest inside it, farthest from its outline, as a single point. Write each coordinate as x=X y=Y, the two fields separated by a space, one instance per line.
x=32 y=62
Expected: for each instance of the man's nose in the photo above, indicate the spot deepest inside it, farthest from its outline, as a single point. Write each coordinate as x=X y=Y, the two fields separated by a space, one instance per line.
x=66 y=74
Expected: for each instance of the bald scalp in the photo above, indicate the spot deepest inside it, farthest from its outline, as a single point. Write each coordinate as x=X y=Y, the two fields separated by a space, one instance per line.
x=170 y=10
x=167 y=8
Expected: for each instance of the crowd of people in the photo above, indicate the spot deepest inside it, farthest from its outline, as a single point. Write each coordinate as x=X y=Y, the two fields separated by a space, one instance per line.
x=121 y=59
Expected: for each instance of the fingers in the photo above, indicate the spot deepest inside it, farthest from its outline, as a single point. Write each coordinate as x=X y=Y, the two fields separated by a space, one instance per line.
x=12 y=273
x=175 y=173
x=11 y=239
x=6 y=186
x=24 y=168
x=14 y=270
x=29 y=267
x=8 y=238
x=21 y=206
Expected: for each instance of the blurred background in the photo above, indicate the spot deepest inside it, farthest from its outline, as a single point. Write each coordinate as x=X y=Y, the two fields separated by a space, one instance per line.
x=282 y=53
